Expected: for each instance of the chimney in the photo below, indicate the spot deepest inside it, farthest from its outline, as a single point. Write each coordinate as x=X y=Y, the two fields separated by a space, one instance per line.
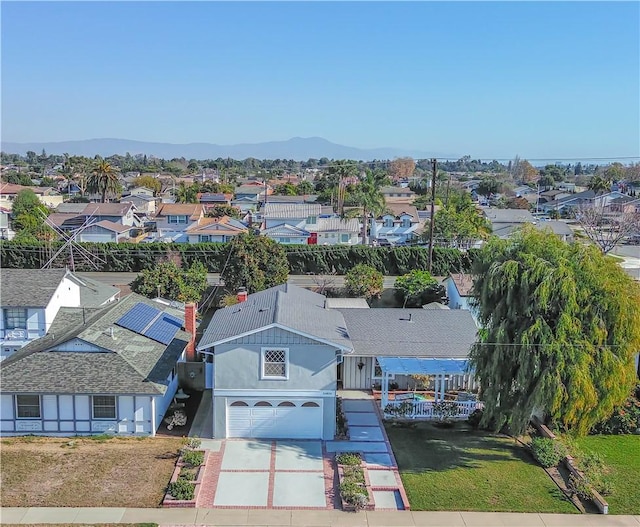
x=190 y=327
x=242 y=294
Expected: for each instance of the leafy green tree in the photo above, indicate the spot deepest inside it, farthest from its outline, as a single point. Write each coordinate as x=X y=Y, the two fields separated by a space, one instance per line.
x=149 y=182
x=29 y=215
x=168 y=280
x=364 y=281
x=459 y=223
x=286 y=189
x=18 y=179
x=255 y=262
x=488 y=185
x=187 y=193
x=561 y=328
x=218 y=211
x=103 y=180
x=304 y=188
x=555 y=172
x=417 y=284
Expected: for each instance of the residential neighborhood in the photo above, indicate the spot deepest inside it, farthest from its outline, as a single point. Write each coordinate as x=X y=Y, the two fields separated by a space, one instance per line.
x=330 y=264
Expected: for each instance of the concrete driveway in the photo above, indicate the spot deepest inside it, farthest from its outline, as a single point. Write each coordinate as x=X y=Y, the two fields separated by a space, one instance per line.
x=273 y=474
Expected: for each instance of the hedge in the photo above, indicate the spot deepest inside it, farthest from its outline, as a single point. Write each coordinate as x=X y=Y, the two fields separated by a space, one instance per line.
x=303 y=259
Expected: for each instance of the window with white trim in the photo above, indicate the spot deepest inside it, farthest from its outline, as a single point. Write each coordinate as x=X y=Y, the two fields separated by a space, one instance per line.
x=15 y=318
x=28 y=406
x=175 y=220
x=104 y=406
x=275 y=363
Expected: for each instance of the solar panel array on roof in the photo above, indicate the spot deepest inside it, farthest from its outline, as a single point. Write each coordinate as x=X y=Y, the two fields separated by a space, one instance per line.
x=164 y=329
x=150 y=322
x=138 y=317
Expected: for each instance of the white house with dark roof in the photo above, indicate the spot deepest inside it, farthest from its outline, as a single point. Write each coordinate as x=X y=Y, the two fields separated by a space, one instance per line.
x=279 y=355
x=400 y=223
x=222 y=229
x=31 y=298
x=101 y=370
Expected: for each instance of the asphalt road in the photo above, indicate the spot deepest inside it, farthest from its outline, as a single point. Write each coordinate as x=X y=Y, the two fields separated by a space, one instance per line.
x=214 y=279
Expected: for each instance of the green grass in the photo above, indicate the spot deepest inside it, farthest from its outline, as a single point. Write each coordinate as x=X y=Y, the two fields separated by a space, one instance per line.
x=622 y=456
x=461 y=469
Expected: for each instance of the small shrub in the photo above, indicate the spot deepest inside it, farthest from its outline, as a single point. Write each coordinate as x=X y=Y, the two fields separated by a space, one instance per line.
x=348 y=458
x=192 y=443
x=193 y=458
x=188 y=475
x=446 y=410
x=399 y=410
x=354 y=474
x=182 y=489
x=625 y=418
x=354 y=494
x=547 y=451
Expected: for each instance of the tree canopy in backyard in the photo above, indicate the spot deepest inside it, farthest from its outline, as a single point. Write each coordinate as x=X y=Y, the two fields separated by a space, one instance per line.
x=255 y=262
x=561 y=329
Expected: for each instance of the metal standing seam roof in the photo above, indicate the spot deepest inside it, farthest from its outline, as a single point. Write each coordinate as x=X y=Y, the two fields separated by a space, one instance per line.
x=291 y=210
x=129 y=363
x=287 y=305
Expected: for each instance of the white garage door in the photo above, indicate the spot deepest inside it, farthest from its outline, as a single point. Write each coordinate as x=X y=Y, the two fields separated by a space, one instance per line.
x=275 y=418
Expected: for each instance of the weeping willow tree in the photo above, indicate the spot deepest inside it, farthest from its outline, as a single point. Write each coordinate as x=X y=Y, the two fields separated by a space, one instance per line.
x=561 y=330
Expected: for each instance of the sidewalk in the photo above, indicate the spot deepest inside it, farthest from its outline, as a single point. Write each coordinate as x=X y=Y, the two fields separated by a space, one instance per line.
x=300 y=518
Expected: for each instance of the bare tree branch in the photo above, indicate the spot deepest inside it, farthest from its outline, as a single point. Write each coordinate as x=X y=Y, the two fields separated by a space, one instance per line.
x=605 y=226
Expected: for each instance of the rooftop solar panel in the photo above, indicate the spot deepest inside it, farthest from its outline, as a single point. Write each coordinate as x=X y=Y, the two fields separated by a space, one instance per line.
x=138 y=317
x=164 y=329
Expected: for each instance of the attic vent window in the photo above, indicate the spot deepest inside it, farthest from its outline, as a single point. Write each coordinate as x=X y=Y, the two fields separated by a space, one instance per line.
x=275 y=363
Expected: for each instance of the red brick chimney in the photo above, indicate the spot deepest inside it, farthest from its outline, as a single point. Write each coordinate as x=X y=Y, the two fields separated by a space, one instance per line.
x=242 y=294
x=190 y=327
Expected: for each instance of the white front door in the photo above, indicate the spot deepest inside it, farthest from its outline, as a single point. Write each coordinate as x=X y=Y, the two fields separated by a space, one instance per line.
x=292 y=418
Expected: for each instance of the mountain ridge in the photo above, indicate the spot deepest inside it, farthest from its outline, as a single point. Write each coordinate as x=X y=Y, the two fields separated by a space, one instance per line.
x=297 y=148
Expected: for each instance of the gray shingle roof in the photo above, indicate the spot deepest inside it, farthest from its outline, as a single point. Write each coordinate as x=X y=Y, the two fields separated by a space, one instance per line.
x=430 y=333
x=291 y=306
x=94 y=293
x=509 y=216
x=130 y=363
x=29 y=287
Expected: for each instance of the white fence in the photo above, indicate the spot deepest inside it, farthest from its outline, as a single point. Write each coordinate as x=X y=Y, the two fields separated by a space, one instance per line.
x=419 y=409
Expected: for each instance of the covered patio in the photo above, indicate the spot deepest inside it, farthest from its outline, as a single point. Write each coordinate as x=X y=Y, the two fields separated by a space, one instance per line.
x=416 y=406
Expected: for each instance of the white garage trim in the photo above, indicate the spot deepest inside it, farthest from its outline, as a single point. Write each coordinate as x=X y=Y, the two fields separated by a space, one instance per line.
x=272 y=394
x=290 y=418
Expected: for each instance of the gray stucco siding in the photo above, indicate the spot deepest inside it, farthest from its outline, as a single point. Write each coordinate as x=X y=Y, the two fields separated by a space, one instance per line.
x=310 y=367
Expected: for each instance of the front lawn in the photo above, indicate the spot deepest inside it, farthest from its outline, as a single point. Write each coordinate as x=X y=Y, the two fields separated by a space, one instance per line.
x=464 y=470
x=621 y=455
x=84 y=472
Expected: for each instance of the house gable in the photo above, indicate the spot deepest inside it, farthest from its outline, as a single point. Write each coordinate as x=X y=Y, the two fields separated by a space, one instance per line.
x=274 y=335
x=78 y=345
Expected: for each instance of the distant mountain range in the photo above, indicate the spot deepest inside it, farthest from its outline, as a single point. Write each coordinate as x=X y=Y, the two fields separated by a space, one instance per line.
x=298 y=148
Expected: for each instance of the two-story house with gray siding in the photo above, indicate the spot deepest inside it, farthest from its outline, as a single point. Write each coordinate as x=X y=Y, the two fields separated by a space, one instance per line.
x=275 y=366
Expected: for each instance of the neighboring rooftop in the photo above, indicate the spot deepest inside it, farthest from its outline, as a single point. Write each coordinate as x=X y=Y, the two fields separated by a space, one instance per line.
x=29 y=287
x=463 y=282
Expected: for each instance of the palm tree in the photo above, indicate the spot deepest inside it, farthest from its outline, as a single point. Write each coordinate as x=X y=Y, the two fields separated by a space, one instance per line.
x=369 y=197
x=103 y=180
x=599 y=184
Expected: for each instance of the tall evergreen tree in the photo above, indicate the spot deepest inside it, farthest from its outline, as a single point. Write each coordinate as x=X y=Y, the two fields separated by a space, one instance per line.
x=561 y=328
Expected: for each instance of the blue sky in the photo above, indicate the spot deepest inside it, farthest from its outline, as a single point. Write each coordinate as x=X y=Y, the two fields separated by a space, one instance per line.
x=538 y=79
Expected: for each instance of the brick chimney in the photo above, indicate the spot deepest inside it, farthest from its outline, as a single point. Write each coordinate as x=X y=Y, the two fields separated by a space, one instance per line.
x=190 y=327
x=242 y=294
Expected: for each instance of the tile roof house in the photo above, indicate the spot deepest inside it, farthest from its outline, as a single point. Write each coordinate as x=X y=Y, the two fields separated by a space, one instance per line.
x=109 y=369
x=173 y=220
x=47 y=195
x=31 y=298
x=215 y=230
x=280 y=354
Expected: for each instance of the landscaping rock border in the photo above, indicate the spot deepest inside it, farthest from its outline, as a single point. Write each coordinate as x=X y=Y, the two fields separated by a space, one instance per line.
x=169 y=501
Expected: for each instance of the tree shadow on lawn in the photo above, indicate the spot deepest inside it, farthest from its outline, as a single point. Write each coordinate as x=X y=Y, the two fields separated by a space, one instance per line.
x=427 y=448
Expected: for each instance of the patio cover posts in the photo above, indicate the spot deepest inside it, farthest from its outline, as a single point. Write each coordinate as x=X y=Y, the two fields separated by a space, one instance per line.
x=439 y=368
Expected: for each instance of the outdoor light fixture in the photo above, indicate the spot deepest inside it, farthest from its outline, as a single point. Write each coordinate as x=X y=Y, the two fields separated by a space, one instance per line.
x=360 y=365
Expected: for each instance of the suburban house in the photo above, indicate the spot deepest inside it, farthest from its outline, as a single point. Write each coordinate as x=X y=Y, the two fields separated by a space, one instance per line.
x=400 y=223
x=625 y=204
x=143 y=200
x=104 y=370
x=300 y=215
x=215 y=230
x=253 y=191
x=458 y=287
x=31 y=298
x=398 y=194
x=245 y=204
x=559 y=228
x=505 y=221
x=287 y=234
x=278 y=357
x=101 y=222
x=581 y=199
x=212 y=199
x=335 y=231
x=173 y=220
x=47 y=195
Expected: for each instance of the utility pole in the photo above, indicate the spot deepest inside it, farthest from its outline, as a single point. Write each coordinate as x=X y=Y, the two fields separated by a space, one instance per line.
x=433 y=205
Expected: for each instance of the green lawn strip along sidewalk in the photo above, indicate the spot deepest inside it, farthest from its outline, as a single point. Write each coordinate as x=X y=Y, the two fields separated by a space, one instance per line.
x=460 y=469
x=621 y=454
